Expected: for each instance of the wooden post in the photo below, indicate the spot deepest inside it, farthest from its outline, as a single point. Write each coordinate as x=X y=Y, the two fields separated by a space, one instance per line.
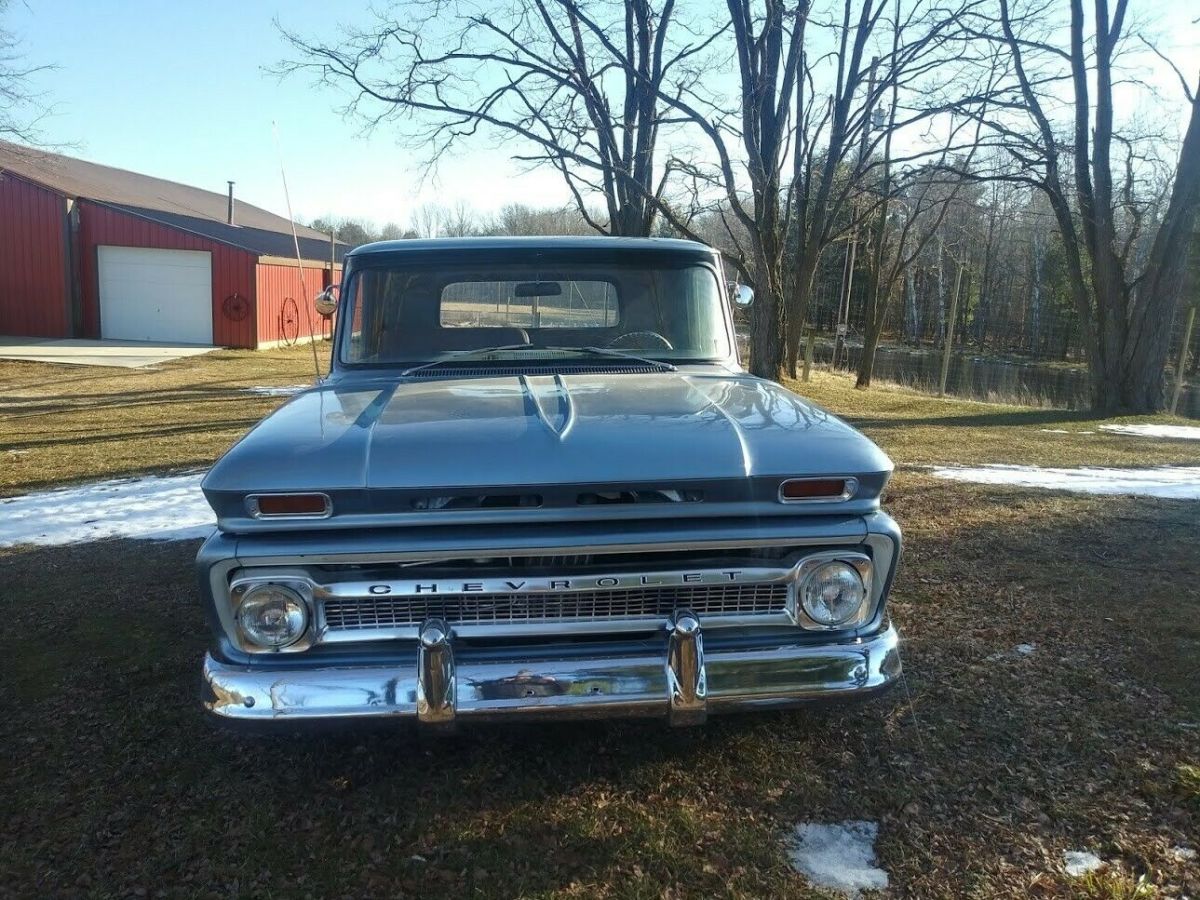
x=809 y=346
x=949 y=344
x=332 y=258
x=1183 y=355
x=843 y=322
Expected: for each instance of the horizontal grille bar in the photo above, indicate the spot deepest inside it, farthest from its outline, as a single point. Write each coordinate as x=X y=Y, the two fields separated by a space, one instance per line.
x=350 y=614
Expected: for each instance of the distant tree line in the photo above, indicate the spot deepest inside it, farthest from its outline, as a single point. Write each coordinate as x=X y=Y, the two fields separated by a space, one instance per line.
x=433 y=220
x=880 y=164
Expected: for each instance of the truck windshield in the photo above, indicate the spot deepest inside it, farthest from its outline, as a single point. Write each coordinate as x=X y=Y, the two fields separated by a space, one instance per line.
x=413 y=314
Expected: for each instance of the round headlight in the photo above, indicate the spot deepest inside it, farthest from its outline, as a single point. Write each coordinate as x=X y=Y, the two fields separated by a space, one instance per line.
x=832 y=593
x=271 y=615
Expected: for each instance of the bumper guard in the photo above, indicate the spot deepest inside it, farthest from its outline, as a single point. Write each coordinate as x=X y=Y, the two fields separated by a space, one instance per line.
x=683 y=683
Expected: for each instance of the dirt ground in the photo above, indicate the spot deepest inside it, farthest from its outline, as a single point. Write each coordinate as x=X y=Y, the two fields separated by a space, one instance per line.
x=981 y=769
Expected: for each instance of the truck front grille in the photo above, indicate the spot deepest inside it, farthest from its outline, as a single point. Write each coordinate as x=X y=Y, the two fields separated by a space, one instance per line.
x=650 y=604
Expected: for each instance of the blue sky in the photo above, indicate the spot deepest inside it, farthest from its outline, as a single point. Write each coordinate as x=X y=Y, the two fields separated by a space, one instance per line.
x=176 y=89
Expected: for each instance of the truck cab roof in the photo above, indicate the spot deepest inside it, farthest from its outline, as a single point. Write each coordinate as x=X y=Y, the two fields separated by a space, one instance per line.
x=527 y=244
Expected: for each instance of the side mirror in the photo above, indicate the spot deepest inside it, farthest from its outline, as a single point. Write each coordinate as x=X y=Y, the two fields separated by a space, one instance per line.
x=326 y=302
x=742 y=294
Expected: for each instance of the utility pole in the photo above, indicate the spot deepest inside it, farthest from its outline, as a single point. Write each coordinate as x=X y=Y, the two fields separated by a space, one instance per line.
x=949 y=340
x=332 y=258
x=1183 y=356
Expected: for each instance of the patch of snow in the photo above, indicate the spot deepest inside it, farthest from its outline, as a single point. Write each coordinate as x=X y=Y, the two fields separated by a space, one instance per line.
x=1079 y=862
x=167 y=508
x=1019 y=650
x=1176 y=432
x=1177 y=482
x=840 y=856
x=285 y=390
x=1063 y=431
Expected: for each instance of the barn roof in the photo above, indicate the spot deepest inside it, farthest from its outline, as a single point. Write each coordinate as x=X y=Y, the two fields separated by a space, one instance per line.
x=168 y=202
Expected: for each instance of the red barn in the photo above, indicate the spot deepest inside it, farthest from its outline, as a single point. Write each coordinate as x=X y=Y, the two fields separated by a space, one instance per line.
x=96 y=252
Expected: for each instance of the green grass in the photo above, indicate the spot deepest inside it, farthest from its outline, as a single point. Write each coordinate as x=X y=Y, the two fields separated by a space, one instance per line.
x=1188 y=783
x=119 y=422
x=1105 y=886
x=981 y=771
x=919 y=429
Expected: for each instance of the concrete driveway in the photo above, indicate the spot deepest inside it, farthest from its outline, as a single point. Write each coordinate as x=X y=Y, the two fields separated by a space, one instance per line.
x=80 y=352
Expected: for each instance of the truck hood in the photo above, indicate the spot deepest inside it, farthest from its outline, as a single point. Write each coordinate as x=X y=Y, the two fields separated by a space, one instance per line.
x=533 y=430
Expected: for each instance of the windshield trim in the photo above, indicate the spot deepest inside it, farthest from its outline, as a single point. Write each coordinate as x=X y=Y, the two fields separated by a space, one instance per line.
x=711 y=263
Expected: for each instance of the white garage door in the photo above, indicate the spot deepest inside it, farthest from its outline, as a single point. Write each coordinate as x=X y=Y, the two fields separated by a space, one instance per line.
x=156 y=295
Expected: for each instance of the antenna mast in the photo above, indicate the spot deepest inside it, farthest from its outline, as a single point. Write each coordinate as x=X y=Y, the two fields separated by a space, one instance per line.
x=312 y=335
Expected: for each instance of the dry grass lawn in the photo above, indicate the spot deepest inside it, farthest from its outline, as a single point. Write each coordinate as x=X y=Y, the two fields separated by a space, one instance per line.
x=116 y=422
x=981 y=771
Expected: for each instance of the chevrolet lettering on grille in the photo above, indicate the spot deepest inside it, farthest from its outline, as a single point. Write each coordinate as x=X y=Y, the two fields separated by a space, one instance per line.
x=540 y=585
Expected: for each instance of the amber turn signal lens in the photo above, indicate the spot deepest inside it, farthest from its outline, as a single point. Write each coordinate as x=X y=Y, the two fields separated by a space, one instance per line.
x=813 y=489
x=291 y=504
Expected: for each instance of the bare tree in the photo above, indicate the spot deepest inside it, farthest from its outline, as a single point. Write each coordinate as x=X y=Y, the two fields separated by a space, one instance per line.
x=906 y=225
x=767 y=49
x=531 y=73
x=22 y=106
x=1123 y=235
x=520 y=219
x=801 y=130
x=348 y=230
x=391 y=231
x=911 y=210
x=427 y=220
x=851 y=106
x=459 y=220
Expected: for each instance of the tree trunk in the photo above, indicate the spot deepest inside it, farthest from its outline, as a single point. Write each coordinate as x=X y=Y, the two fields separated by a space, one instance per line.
x=766 y=333
x=940 y=337
x=802 y=285
x=768 y=319
x=1035 y=294
x=873 y=329
x=866 y=366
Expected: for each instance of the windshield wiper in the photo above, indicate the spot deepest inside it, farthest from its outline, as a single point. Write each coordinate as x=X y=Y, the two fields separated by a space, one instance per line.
x=466 y=354
x=595 y=351
x=621 y=354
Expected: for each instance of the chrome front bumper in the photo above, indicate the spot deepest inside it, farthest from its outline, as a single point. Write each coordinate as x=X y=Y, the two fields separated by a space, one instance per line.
x=682 y=683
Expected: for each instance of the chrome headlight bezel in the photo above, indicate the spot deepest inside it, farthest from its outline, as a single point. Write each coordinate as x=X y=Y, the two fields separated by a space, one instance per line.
x=246 y=593
x=861 y=564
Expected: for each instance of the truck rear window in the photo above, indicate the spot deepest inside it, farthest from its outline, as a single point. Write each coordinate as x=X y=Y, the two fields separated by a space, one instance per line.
x=567 y=303
x=428 y=310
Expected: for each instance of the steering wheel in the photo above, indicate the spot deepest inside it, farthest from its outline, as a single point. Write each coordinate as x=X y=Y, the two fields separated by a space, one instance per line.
x=631 y=340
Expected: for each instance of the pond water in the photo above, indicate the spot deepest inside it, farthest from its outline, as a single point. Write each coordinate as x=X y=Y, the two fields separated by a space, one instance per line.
x=984 y=378
x=987 y=378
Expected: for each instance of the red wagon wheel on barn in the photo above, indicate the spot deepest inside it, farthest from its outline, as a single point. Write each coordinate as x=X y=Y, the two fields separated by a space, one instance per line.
x=289 y=322
x=235 y=307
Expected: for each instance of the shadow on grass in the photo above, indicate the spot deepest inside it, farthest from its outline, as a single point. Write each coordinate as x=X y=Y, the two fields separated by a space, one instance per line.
x=150 y=431
x=980 y=420
x=35 y=407
x=117 y=774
